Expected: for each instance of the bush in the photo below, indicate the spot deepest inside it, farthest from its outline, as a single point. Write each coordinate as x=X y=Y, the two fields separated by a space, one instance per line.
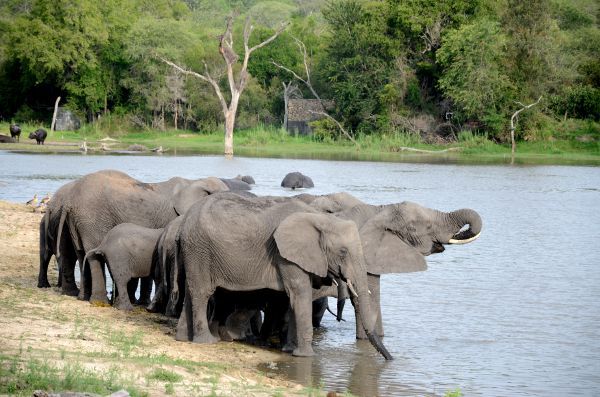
x=582 y=102
x=324 y=130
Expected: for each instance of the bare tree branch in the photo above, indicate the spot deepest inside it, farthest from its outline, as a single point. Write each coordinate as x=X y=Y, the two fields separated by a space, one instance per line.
x=515 y=117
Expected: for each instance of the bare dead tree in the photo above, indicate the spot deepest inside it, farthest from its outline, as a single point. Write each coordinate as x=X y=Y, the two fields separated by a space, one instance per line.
x=514 y=119
x=54 y=114
x=308 y=84
x=432 y=35
x=236 y=83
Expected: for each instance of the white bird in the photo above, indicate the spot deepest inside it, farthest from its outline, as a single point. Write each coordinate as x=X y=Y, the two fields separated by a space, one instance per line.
x=46 y=199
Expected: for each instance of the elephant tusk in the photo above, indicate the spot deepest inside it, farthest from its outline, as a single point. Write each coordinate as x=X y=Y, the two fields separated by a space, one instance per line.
x=334 y=282
x=468 y=240
x=351 y=288
x=369 y=291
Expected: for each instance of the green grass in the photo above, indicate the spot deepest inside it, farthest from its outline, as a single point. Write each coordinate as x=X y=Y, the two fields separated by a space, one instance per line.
x=22 y=377
x=164 y=375
x=563 y=146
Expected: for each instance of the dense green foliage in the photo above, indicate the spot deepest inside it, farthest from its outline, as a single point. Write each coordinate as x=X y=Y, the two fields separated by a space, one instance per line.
x=391 y=66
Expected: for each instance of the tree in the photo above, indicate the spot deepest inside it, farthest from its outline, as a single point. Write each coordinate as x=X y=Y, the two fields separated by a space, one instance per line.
x=474 y=76
x=236 y=84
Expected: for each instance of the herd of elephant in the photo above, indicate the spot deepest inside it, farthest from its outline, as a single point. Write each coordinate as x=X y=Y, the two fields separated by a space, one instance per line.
x=228 y=263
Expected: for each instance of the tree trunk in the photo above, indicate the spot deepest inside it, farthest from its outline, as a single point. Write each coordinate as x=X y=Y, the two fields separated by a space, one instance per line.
x=54 y=114
x=230 y=123
x=176 y=114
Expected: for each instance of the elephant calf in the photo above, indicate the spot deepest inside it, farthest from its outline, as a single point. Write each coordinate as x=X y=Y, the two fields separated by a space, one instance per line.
x=129 y=251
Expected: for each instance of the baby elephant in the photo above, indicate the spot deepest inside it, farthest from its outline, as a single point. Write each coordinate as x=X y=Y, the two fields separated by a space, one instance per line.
x=15 y=131
x=39 y=135
x=129 y=251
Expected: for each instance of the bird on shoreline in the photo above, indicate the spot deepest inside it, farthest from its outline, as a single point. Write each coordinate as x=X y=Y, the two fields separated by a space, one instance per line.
x=46 y=199
x=33 y=202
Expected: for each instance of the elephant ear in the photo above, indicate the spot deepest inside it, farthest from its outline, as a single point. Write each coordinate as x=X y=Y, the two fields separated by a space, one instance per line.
x=385 y=252
x=187 y=196
x=298 y=240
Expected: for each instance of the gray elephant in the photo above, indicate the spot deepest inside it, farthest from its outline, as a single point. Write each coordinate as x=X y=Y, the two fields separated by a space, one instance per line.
x=397 y=237
x=39 y=135
x=237 y=183
x=102 y=200
x=168 y=272
x=129 y=251
x=246 y=178
x=330 y=203
x=244 y=244
x=296 y=180
x=15 y=131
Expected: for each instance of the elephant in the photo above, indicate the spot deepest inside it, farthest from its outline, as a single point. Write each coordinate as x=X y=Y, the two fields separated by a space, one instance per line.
x=330 y=203
x=246 y=178
x=39 y=135
x=167 y=272
x=397 y=237
x=245 y=244
x=237 y=184
x=53 y=242
x=295 y=180
x=55 y=239
x=129 y=251
x=15 y=131
x=101 y=200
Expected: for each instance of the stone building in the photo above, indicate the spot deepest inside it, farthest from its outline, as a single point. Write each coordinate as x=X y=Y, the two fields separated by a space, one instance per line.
x=299 y=114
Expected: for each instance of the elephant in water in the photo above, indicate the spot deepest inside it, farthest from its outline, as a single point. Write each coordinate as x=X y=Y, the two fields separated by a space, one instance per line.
x=296 y=180
x=129 y=251
x=397 y=237
x=245 y=244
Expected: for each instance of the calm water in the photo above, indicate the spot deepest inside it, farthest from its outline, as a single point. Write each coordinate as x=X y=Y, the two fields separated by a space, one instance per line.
x=515 y=313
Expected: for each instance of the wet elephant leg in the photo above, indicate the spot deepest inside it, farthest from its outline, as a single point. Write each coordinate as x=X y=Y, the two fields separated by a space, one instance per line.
x=132 y=286
x=199 y=296
x=298 y=287
x=121 y=290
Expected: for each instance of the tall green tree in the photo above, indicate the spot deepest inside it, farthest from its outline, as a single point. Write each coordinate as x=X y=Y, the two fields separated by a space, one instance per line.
x=474 y=75
x=358 y=59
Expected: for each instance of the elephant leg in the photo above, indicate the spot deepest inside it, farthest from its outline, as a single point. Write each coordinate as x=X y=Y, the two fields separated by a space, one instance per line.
x=66 y=266
x=184 y=325
x=199 y=300
x=43 y=273
x=145 y=291
x=132 y=286
x=319 y=306
x=122 y=299
x=291 y=340
x=85 y=281
x=298 y=287
x=98 y=281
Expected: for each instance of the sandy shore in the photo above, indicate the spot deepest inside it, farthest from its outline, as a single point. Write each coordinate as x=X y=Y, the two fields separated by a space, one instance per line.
x=135 y=350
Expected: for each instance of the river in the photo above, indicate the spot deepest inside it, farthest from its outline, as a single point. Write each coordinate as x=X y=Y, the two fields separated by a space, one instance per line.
x=516 y=313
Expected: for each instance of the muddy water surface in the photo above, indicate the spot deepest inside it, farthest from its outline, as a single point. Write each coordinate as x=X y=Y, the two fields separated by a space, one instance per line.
x=515 y=313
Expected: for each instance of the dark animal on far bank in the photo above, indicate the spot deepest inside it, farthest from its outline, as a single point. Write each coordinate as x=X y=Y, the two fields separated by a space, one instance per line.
x=15 y=131
x=39 y=135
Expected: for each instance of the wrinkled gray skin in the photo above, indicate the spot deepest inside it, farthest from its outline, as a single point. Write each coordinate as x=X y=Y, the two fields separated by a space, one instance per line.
x=170 y=275
x=39 y=135
x=100 y=201
x=397 y=237
x=236 y=184
x=246 y=178
x=330 y=203
x=245 y=244
x=295 y=180
x=15 y=131
x=128 y=250
x=168 y=272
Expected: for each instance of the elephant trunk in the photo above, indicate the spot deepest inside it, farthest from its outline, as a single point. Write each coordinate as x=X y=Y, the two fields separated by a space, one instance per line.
x=360 y=300
x=462 y=218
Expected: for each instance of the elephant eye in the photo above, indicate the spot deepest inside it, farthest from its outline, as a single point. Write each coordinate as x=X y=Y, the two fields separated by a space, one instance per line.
x=343 y=252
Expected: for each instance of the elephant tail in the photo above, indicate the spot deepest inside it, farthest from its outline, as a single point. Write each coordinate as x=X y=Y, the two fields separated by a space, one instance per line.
x=61 y=224
x=173 y=298
x=46 y=226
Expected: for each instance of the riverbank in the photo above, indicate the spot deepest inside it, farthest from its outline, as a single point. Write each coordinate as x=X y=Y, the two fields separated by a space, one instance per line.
x=58 y=343
x=580 y=148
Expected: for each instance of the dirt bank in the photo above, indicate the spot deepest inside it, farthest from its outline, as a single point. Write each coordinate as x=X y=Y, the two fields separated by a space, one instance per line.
x=43 y=332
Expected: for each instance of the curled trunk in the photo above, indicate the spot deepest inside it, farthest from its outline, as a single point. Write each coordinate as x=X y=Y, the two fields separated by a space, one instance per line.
x=465 y=217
